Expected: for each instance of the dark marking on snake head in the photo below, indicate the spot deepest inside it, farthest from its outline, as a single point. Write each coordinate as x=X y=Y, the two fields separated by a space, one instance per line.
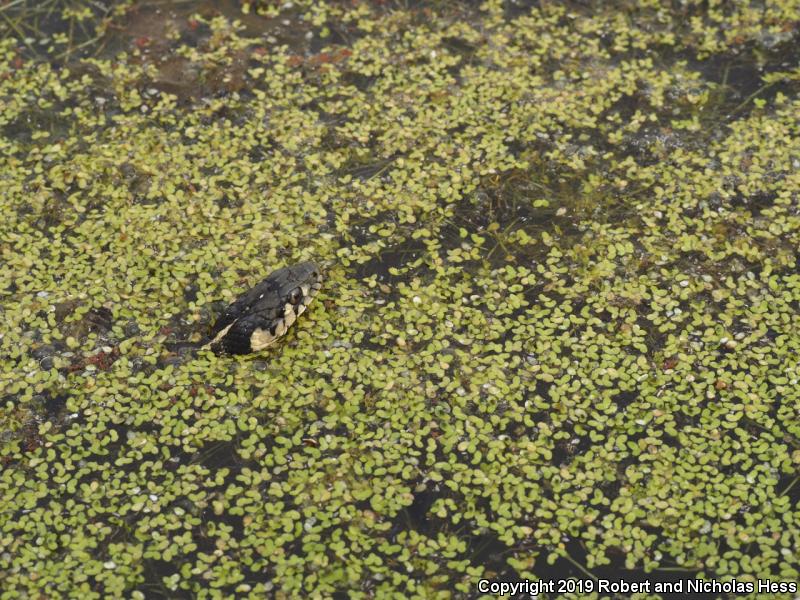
x=296 y=295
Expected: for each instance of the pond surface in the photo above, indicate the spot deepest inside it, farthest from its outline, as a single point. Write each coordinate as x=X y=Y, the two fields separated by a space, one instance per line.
x=559 y=329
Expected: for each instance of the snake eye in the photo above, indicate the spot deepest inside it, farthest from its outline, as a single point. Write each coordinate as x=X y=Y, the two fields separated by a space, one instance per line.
x=295 y=295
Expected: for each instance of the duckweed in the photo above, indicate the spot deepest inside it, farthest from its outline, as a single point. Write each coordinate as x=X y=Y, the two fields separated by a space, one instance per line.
x=559 y=328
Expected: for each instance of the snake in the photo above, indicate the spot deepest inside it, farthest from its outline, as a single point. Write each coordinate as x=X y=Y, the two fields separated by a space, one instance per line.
x=260 y=316
x=252 y=322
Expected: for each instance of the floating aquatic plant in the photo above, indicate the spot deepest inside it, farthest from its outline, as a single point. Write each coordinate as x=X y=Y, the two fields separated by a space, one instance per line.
x=559 y=327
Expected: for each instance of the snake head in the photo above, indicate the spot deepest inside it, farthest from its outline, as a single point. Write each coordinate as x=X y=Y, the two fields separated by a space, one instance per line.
x=264 y=313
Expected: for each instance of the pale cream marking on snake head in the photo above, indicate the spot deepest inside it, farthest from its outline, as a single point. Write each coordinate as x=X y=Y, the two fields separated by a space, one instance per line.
x=280 y=328
x=260 y=339
x=220 y=335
